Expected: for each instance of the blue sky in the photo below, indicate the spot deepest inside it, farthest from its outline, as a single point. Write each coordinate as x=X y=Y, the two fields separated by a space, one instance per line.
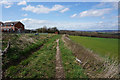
x=63 y=15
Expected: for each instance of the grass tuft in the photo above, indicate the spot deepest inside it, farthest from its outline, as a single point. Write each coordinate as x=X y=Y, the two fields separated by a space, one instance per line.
x=71 y=68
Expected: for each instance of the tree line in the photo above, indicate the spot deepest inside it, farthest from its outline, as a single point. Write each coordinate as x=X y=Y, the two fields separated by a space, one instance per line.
x=44 y=29
x=90 y=34
x=47 y=30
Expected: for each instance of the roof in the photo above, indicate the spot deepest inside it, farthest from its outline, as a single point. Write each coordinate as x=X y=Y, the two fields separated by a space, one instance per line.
x=11 y=23
x=1 y=22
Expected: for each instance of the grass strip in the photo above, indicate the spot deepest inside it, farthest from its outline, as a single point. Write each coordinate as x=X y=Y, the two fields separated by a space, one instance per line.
x=40 y=64
x=71 y=68
x=15 y=55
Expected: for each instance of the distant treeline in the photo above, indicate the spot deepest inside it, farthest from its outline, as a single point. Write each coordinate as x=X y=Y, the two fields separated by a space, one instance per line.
x=43 y=30
x=91 y=34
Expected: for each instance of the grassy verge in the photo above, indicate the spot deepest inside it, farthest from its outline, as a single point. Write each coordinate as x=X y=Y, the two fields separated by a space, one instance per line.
x=40 y=64
x=21 y=49
x=72 y=69
x=105 y=47
x=6 y=37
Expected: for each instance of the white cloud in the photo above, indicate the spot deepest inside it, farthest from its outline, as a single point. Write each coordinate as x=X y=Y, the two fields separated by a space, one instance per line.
x=6 y=4
x=96 y=12
x=100 y=22
x=57 y=7
x=74 y=15
x=22 y=3
x=115 y=5
x=34 y=24
x=38 y=9
x=64 y=10
x=42 y=9
x=103 y=17
x=7 y=21
x=112 y=5
x=25 y=15
x=93 y=12
x=33 y=21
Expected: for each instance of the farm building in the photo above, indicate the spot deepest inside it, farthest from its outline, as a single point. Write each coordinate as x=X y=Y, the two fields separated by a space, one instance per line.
x=12 y=27
x=56 y=32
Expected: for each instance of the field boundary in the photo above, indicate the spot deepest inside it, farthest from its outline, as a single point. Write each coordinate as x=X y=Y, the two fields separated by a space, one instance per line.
x=38 y=46
x=94 y=65
x=18 y=61
x=36 y=65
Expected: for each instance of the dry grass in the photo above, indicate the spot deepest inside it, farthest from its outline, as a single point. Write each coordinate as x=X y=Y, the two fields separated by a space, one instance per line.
x=95 y=66
x=22 y=45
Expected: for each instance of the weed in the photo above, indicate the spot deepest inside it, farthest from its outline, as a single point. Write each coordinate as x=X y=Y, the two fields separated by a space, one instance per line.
x=40 y=64
x=72 y=69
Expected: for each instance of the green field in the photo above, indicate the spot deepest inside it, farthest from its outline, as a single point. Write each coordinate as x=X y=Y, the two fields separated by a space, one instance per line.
x=105 y=47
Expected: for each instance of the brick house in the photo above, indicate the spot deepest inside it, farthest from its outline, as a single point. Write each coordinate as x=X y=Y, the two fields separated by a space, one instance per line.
x=12 y=27
x=56 y=32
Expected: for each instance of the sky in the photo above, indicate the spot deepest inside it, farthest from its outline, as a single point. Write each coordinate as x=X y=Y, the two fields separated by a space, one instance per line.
x=63 y=15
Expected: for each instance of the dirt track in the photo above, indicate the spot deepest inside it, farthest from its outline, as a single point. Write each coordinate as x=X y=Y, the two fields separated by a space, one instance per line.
x=59 y=67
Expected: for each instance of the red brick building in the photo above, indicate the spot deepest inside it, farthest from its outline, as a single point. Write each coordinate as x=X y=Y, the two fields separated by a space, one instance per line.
x=56 y=32
x=12 y=27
